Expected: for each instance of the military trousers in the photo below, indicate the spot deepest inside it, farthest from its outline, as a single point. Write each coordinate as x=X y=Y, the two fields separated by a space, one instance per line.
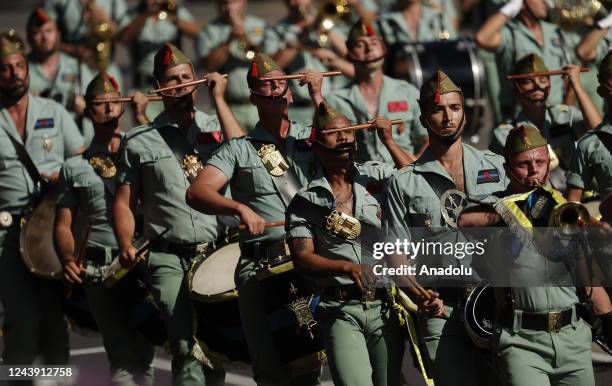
x=169 y=288
x=268 y=368
x=363 y=342
x=130 y=355
x=456 y=360
x=528 y=357
x=34 y=324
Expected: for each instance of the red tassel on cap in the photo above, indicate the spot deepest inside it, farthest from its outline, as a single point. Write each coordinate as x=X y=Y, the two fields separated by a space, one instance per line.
x=168 y=56
x=438 y=86
x=370 y=30
x=114 y=83
x=254 y=69
x=41 y=16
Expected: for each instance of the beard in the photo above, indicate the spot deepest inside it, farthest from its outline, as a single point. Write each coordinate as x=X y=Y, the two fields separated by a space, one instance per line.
x=15 y=92
x=183 y=104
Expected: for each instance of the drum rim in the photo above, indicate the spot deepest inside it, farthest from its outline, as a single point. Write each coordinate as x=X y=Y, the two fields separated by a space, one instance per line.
x=213 y=298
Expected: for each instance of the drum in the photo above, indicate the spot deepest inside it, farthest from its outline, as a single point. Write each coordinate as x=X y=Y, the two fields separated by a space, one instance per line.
x=36 y=239
x=290 y=308
x=212 y=287
x=479 y=315
x=417 y=62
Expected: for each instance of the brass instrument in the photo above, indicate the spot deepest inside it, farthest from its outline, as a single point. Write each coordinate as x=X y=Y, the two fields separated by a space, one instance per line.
x=167 y=8
x=570 y=217
x=100 y=40
x=573 y=13
x=245 y=44
x=330 y=11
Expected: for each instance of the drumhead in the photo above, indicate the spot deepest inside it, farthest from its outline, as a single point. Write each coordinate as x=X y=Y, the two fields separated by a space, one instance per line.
x=214 y=275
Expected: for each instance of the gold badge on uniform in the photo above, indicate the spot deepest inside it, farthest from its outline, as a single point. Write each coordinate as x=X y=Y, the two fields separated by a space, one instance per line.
x=103 y=166
x=343 y=225
x=273 y=160
x=192 y=166
x=47 y=143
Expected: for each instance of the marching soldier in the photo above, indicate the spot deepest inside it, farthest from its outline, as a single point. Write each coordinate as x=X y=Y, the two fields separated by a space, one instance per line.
x=86 y=191
x=36 y=136
x=540 y=340
x=154 y=169
x=372 y=93
x=362 y=339
x=257 y=200
x=562 y=124
x=519 y=29
x=228 y=44
x=430 y=194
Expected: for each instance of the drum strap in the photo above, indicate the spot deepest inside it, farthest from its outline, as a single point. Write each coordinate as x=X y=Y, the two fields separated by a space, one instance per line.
x=606 y=139
x=438 y=183
x=26 y=160
x=286 y=184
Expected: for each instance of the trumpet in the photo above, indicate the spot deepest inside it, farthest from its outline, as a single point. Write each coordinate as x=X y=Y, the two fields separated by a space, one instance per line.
x=330 y=11
x=100 y=39
x=244 y=43
x=167 y=8
x=574 y=13
x=571 y=217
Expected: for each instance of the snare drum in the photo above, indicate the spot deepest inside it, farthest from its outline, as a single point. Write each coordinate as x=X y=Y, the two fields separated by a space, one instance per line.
x=212 y=287
x=479 y=315
x=290 y=308
x=417 y=62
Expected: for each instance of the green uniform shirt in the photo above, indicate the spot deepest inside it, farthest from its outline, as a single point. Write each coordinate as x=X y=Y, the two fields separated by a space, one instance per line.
x=431 y=23
x=368 y=191
x=62 y=87
x=555 y=116
x=250 y=182
x=68 y=15
x=51 y=137
x=285 y=34
x=81 y=187
x=398 y=100
x=592 y=159
x=152 y=36
x=517 y=41
x=155 y=173
x=237 y=65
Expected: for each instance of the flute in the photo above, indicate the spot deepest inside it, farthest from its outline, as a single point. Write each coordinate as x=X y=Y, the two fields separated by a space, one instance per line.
x=186 y=84
x=359 y=127
x=300 y=74
x=542 y=73
x=127 y=99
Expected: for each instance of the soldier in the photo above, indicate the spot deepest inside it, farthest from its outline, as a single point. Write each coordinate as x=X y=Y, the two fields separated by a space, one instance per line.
x=153 y=170
x=519 y=29
x=357 y=325
x=416 y=21
x=153 y=23
x=228 y=44
x=372 y=93
x=540 y=340
x=87 y=184
x=458 y=172
x=36 y=136
x=257 y=200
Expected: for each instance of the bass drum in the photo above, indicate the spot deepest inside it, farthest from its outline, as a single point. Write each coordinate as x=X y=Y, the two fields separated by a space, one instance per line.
x=479 y=315
x=417 y=62
x=36 y=239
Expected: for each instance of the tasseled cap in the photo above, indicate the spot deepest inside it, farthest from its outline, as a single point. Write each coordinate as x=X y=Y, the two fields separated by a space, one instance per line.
x=362 y=27
x=605 y=67
x=10 y=44
x=167 y=57
x=438 y=85
x=324 y=115
x=523 y=138
x=260 y=66
x=37 y=19
x=101 y=84
x=529 y=64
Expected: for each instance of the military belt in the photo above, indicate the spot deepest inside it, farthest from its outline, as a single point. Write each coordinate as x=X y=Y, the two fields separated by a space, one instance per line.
x=353 y=292
x=265 y=250
x=183 y=250
x=552 y=321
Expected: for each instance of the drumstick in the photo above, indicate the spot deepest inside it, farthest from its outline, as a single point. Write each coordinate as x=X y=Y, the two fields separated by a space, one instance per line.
x=269 y=224
x=192 y=83
x=542 y=73
x=127 y=99
x=300 y=74
x=359 y=127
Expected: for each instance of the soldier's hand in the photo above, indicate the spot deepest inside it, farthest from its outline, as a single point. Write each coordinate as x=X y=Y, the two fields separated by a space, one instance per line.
x=313 y=79
x=383 y=128
x=432 y=307
x=361 y=274
x=326 y=56
x=572 y=73
x=72 y=272
x=128 y=258
x=252 y=221
x=139 y=102
x=216 y=85
x=78 y=106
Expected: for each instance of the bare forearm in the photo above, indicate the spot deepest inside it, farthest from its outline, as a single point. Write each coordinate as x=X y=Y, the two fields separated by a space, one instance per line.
x=591 y=115
x=124 y=224
x=574 y=194
x=285 y=56
x=400 y=157
x=345 y=67
x=478 y=219
x=132 y=30
x=189 y=28
x=338 y=44
x=587 y=49
x=64 y=242
x=600 y=299
x=229 y=124
x=207 y=200
x=217 y=57
x=489 y=35
x=302 y=250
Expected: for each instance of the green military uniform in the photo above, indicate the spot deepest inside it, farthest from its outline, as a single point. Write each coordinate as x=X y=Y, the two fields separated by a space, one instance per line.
x=237 y=65
x=517 y=41
x=434 y=24
x=252 y=185
x=33 y=319
x=81 y=186
x=362 y=339
x=528 y=356
x=284 y=35
x=412 y=202
x=153 y=169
